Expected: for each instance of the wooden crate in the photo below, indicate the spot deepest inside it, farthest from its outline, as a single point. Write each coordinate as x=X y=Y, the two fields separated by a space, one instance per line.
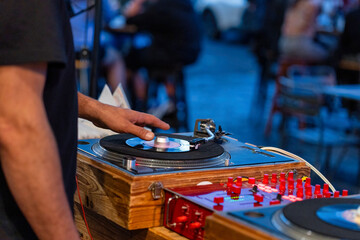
x=126 y=200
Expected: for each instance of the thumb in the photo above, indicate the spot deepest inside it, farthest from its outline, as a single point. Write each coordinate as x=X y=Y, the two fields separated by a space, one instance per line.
x=141 y=133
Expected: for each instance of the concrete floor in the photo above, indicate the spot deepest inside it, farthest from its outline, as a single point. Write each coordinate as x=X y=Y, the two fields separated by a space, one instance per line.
x=221 y=86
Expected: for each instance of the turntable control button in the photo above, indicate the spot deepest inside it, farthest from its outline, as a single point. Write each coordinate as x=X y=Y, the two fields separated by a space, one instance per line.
x=218 y=200
x=266 y=179
x=282 y=187
x=319 y=195
x=251 y=180
x=258 y=198
x=317 y=189
x=308 y=182
x=327 y=194
x=300 y=192
x=239 y=181
x=291 y=176
x=230 y=181
x=236 y=189
x=181 y=219
x=299 y=183
x=274 y=202
x=274 y=178
x=291 y=183
x=195 y=225
x=336 y=194
x=282 y=176
x=325 y=188
x=345 y=193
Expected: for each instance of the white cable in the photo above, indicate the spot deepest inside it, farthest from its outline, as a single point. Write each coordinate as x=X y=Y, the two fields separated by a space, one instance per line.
x=289 y=154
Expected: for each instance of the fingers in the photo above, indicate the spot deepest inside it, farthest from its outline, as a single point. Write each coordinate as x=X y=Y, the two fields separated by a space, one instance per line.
x=141 y=132
x=155 y=122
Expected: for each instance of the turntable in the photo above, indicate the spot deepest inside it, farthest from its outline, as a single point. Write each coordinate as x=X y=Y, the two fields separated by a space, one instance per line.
x=121 y=177
x=335 y=218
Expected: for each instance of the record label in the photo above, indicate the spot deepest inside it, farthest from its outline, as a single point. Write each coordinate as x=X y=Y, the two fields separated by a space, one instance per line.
x=341 y=215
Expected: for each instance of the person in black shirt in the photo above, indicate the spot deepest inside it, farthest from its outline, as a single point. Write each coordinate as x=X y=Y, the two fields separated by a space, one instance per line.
x=39 y=106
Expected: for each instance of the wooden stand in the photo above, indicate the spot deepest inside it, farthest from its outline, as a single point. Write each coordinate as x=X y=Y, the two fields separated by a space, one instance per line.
x=217 y=226
x=126 y=200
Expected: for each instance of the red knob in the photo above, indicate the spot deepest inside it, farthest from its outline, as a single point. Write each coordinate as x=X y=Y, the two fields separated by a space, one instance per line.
x=290 y=175
x=274 y=178
x=282 y=176
x=275 y=202
x=239 y=181
x=308 y=182
x=251 y=180
x=266 y=179
x=218 y=200
x=290 y=183
x=308 y=191
x=300 y=192
x=299 y=183
x=258 y=198
x=345 y=192
x=317 y=189
x=230 y=181
x=325 y=188
x=181 y=219
x=195 y=225
x=336 y=194
x=236 y=189
x=319 y=195
x=327 y=194
x=282 y=187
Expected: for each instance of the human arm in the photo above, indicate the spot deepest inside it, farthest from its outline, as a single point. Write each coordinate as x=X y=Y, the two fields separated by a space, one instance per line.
x=28 y=153
x=118 y=119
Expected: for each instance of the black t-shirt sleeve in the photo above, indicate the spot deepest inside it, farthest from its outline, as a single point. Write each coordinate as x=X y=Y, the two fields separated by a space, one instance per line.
x=31 y=31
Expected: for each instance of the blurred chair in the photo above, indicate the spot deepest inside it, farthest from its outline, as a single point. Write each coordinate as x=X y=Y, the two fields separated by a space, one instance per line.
x=305 y=118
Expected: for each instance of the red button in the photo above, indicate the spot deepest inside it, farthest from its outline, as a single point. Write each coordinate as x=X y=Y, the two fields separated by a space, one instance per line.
x=218 y=200
x=298 y=182
x=290 y=175
x=282 y=176
x=251 y=180
x=336 y=194
x=195 y=225
x=282 y=187
x=266 y=179
x=258 y=198
x=317 y=189
x=230 y=181
x=239 y=181
x=300 y=192
x=274 y=202
x=307 y=181
x=181 y=219
x=327 y=195
x=291 y=183
x=319 y=196
x=236 y=189
x=274 y=178
x=325 y=188
x=308 y=191
x=345 y=193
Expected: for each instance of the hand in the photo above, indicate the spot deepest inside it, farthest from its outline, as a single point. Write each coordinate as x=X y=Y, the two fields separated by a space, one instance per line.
x=133 y=8
x=128 y=121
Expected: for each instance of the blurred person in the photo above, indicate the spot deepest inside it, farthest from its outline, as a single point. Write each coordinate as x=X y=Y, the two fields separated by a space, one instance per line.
x=175 y=34
x=39 y=107
x=297 y=41
x=112 y=64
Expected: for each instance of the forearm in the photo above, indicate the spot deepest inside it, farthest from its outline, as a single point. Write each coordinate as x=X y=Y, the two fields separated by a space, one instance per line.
x=37 y=185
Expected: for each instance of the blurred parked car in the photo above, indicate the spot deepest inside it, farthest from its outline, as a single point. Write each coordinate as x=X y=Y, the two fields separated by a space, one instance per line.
x=220 y=15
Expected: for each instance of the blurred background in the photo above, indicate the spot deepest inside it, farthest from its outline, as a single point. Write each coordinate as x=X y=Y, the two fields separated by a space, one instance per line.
x=282 y=73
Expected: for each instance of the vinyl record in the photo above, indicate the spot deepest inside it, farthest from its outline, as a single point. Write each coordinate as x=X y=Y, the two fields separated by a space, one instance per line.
x=118 y=144
x=305 y=214
x=341 y=215
x=169 y=144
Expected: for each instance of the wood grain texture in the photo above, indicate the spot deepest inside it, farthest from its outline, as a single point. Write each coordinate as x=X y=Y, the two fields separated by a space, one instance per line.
x=125 y=199
x=217 y=226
